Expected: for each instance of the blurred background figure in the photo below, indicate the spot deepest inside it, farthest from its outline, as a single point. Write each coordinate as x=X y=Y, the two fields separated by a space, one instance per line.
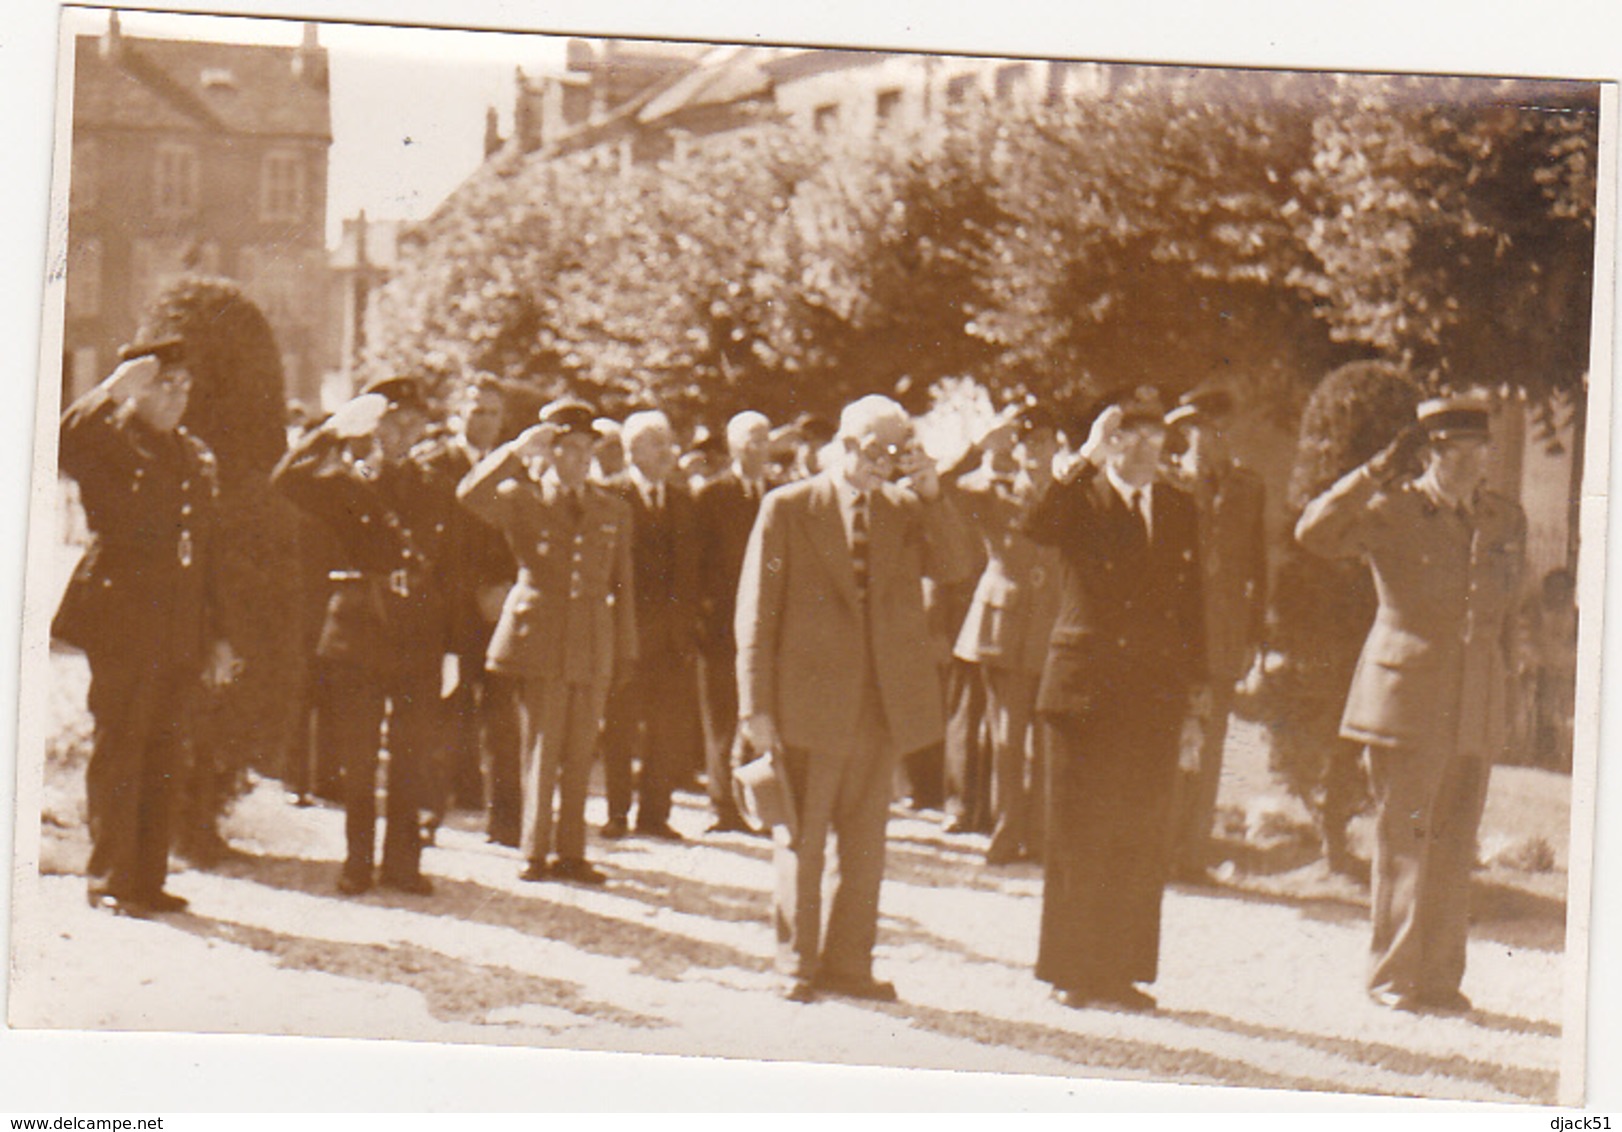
x=608 y=454
x=725 y=514
x=1231 y=501
x=479 y=769
x=651 y=736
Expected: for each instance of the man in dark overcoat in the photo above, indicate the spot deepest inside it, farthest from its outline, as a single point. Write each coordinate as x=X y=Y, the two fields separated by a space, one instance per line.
x=725 y=514
x=386 y=632
x=1126 y=651
x=141 y=607
x=569 y=622
x=1429 y=696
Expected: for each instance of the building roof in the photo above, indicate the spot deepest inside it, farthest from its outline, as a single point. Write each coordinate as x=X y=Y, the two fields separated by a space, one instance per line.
x=162 y=84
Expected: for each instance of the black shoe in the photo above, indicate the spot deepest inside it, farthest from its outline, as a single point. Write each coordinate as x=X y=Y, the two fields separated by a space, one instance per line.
x=416 y=884
x=1397 y=1000
x=868 y=988
x=660 y=832
x=120 y=905
x=354 y=883
x=576 y=871
x=536 y=871
x=614 y=829
x=167 y=902
x=1447 y=1002
x=800 y=990
x=1129 y=997
x=730 y=823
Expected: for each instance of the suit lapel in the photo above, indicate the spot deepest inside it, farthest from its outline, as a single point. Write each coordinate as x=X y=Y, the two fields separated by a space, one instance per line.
x=827 y=531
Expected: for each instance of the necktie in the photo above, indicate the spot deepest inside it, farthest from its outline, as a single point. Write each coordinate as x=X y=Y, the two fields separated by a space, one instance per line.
x=1140 y=508
x=858 y=544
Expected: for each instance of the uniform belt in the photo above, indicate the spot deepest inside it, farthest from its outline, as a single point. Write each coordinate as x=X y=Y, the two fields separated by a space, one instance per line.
x=396 y=581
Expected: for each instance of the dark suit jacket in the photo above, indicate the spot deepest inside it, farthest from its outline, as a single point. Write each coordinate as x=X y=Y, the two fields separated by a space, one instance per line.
x=571 y=614
x=803 y=640
x=1130 y=614
x=664 y=561
x=724 y=517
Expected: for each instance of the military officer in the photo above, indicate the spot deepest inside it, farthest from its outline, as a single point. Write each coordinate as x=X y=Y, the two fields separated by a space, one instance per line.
x=568 y=624
x=1231 y=500
x=386 y=632
x=1428 y=697
x=140 y=605
x=1005 y=634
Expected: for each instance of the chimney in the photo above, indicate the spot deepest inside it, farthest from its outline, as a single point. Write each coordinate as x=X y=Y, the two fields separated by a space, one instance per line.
x=492 y=133
x=310 y=60
x=112 y=42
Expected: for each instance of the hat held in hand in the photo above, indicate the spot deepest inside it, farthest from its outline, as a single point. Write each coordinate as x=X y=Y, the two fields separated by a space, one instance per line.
x=763 y=792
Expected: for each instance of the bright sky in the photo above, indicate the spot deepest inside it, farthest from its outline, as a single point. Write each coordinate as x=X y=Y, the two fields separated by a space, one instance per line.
x=408 y=104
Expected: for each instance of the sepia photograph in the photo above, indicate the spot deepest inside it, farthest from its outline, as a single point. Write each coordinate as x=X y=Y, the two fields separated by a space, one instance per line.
x=1069 y=578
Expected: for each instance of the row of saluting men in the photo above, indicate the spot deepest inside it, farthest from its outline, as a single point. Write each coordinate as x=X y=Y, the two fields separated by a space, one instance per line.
x=1110 y=604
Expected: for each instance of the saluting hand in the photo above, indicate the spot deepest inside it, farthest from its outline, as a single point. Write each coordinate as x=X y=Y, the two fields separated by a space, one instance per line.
x=919 y=469
x=1104 y=440
x=132 y=378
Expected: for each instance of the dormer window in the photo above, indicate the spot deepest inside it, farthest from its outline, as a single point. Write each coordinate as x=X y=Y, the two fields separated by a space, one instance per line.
x=281 y=187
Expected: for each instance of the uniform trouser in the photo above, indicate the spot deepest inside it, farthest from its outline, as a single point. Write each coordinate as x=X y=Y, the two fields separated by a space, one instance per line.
x=1428 y=810
x=846 y=792
x=650 y=719
x=1016 y=760
x=718 y=703
x=312 y=768
x=561 y=722
x=358 y=696
x=1195 y=796
x=968 y=755
x=140 y=706
x=501 y=751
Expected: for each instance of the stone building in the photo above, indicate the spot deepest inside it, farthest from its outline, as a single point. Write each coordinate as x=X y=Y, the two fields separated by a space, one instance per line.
x=197 y=157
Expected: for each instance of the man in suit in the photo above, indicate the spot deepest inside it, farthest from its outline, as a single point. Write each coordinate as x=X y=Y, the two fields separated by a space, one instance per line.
x=1428 y=697
x=386 y=630
x=830 y=623
x=652 y=714
x=725 y=514
x=1124 y=657
x=1233 y=559
x=142 y=608
x=568 y=623
x=1005 y=634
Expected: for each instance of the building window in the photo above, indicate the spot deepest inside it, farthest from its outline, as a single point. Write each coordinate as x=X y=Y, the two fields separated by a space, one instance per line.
x=825 y=118
x=281 y=187
x=1012 y=80
x=175 y=186
x=84 y=278
x=958 y=88
x=887 y=109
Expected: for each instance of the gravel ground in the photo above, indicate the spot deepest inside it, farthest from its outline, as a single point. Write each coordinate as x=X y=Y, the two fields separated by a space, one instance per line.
x=1260 y=981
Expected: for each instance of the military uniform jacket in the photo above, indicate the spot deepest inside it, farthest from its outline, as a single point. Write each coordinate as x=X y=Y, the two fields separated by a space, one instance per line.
x=805 y=640
x=1017 y=597
x=146 y=581
x=392 y=527
x=664 y=559
x=477 y=557
x=571 y=615
x=1131 y=620
x=1435 y=668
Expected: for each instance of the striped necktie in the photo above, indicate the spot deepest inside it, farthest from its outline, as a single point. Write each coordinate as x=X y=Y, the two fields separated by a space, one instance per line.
x=858 y=544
